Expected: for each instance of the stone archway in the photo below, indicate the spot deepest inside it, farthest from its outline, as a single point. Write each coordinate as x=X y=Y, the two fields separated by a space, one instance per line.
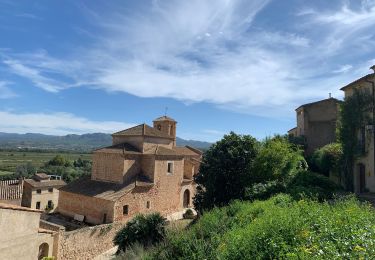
x=43 y=251
x=186 y=199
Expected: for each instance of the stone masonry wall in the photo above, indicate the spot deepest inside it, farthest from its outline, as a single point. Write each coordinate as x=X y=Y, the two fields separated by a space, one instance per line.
x=87 y=243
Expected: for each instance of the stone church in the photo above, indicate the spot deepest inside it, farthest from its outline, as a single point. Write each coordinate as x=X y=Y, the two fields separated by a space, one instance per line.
x=142 y=172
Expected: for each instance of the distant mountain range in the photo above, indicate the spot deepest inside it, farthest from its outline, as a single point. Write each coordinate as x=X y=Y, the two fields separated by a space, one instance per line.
x=72 y=142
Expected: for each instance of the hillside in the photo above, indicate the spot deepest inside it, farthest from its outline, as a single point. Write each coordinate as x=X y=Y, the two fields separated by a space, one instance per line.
x=72 y=142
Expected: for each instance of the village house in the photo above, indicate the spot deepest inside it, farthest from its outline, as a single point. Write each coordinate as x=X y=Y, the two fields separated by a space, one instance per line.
x=364 y=178
x=41 y=192
x=21 y=235
x=142 y=172
x=316 y=123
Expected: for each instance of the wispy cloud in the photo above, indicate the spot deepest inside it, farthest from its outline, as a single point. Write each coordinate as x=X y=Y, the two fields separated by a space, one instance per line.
x=55 y=123
x=210 y=51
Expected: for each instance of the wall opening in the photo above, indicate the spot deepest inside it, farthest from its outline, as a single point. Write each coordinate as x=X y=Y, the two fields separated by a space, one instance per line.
x=43 y=251
x=170 y=167
x=186 y=199
x=125 y=210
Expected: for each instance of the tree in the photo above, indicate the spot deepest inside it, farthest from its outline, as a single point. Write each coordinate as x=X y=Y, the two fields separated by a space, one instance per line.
x=225 y=171
x=25 y=170
x=278 y=160
x=59 y=160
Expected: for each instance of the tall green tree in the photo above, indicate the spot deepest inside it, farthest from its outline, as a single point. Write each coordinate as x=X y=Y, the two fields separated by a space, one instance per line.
x=225 y=171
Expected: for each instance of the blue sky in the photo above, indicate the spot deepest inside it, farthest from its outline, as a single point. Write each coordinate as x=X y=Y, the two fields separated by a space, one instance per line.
x=219 y=65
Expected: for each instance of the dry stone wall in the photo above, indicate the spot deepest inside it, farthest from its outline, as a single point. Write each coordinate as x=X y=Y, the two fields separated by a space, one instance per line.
x=87 y=243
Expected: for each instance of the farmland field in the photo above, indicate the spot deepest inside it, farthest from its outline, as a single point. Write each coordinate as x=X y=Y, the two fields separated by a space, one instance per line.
x=10 y=159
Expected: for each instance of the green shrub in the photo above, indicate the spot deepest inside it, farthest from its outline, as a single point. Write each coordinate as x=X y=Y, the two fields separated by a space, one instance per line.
x=328 y=158
x=313 y=186
x=262 y=191
x=279 y=228
x=278 y=160
x=143 y=229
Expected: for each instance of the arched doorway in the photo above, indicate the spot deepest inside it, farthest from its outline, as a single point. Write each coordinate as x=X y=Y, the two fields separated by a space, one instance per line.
x=43 y=251
x=186 y=201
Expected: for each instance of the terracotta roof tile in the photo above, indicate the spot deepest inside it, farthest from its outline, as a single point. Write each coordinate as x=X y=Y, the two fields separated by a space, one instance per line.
x=123 y=148
x=320 y=101
x=142 y=130
x=164 y=118
x=187 y=151
x=15 y=207
x=44 y=184
x=104 y=190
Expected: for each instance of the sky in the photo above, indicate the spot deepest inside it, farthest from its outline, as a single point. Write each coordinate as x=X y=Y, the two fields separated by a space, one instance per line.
x=215 y=66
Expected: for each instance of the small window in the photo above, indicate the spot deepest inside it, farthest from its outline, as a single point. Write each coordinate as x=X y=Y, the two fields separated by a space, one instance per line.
x=39 y=191
x=170 y=167
x=37 y=206
x=125 y=210
x=148 y=204
x=50 y=204
x=159 y=127
x=50 y=189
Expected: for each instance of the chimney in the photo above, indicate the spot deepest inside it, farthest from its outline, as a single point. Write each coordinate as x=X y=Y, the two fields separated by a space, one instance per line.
x=330 y=95
x=373 y=68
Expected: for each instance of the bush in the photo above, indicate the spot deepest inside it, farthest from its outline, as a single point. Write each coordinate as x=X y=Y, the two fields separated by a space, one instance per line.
x=279 y=228
x=143 y=229
x=328 y=158
x=278 y=160
x=262 y=191
x=312 y=185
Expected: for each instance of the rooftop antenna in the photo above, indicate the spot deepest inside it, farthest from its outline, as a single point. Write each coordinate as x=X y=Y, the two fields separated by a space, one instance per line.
x=166 y=110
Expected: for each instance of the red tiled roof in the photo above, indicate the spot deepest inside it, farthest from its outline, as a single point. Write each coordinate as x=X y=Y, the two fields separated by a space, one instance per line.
x=45 y=184
x=164 y=118
x=15 y=207
x=142 y=130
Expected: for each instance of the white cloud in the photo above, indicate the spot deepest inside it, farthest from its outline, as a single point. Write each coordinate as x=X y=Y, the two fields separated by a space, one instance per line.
x=55 y=123
x=209 y=51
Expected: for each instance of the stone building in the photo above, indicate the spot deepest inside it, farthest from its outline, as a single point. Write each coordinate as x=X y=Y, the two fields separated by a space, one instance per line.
x=41 y=192
x=316 y=123
x=21 y=237
x=143 y=171
x=364 y=171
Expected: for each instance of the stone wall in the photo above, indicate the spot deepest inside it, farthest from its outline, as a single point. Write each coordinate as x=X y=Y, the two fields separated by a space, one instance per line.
x=87 y=243
x=90 y=207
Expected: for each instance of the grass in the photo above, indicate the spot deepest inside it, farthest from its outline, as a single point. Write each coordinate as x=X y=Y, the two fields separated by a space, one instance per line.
x=278 y=228
x=9 y=160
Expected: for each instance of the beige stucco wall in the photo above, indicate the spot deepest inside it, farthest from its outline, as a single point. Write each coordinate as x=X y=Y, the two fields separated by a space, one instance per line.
x=30 y=197
x=19 y=237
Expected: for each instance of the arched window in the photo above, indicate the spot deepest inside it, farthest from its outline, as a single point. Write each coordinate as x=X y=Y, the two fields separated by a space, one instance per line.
x=43 y=251
x=186 y=199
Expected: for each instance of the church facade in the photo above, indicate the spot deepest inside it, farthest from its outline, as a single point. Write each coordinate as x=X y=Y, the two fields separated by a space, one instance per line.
x=142 y=172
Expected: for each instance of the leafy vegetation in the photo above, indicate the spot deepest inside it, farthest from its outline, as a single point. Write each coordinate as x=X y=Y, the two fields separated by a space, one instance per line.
x=225 y=171
x=328 y=159
x=354 y=116
x=146 y=230
x=279 y=228
x=18 y=164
